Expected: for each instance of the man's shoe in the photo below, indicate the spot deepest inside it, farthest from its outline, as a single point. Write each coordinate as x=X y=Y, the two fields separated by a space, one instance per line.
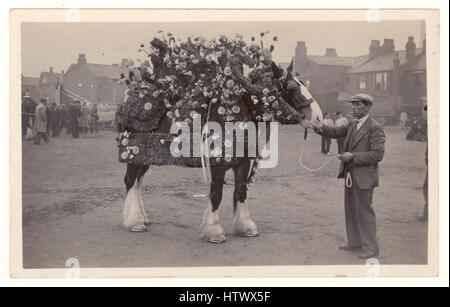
x=350 y=248
x=368 y=255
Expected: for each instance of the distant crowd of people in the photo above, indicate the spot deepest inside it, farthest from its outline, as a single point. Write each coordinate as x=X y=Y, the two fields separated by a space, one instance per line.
x=417 y=127
x=39 y=121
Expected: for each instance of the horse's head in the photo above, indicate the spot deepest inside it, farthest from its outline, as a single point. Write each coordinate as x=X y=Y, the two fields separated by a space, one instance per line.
x=297 y=96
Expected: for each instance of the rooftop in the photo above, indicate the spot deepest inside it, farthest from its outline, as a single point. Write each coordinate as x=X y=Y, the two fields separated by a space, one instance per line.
x=30 y=81
x=101 y=70
x=383 y=62
x=338 y=60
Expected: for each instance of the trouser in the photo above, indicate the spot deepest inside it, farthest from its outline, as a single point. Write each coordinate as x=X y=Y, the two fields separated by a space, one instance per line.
x=74 y=129
x=39 y=135
x=360 y=218
x=340 y=143
x=326 y=142
x=94 y=125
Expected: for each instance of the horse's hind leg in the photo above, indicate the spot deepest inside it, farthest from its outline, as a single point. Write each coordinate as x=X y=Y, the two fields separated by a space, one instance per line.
x=211 y=230
x=134 y=215
x=242 y=223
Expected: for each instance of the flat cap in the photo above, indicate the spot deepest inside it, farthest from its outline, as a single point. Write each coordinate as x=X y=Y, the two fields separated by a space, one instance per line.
x=362 y=97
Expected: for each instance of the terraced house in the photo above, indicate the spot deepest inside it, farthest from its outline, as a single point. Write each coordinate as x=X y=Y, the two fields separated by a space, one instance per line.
x=395 y=78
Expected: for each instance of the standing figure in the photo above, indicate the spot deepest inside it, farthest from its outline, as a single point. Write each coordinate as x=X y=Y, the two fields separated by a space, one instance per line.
x=74 y=117
x=84 y=120
x=326 y=141
x=403 y=119
x=53 y=120
x=40 y=123
x=341 y=121
x=94 y=118
x=362 y=151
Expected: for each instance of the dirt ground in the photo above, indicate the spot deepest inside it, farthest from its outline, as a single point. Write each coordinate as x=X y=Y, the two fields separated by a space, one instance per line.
x=73 y=193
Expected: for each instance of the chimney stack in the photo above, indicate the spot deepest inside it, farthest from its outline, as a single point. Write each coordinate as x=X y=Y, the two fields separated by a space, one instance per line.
x=124 y=63
x=410 y=48
x=388 y=46
x=300 y=50
x=331 y=52
x=51 y=69
x=374 y=49
x=82 y=59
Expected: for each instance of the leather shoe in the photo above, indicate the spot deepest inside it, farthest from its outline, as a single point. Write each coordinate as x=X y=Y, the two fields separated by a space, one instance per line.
x=369 y=254
x=350 y=248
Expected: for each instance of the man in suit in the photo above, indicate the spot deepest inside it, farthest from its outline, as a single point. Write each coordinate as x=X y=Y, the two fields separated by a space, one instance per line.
x=363 y=149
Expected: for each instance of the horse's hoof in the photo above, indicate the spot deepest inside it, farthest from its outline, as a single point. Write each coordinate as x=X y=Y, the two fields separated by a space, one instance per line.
x=217 y=240
x=138 y=229
x=249 y=234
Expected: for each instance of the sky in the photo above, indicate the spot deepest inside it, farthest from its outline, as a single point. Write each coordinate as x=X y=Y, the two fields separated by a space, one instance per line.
x=57 y=45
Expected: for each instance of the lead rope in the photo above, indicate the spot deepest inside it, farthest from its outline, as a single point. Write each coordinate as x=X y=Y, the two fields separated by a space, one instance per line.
x=300 y=158
x=348 y=178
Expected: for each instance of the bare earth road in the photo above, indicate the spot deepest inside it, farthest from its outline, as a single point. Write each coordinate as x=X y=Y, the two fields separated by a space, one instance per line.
x=73 y=193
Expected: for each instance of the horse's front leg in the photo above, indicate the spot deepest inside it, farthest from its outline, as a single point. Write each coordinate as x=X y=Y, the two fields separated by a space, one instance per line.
x=134 y=215
x=211 y=230
x=242 y=223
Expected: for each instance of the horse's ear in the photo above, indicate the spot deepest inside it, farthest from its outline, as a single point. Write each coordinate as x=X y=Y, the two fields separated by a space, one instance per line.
x=291 y=66
x=277 y=72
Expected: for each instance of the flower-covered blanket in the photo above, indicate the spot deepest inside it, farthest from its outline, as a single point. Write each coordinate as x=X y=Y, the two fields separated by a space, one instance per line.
x=220 y=80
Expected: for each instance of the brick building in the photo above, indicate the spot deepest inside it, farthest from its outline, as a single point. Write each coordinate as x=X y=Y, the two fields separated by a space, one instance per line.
x=95 y=82
x=391 y=77
x=30 y=87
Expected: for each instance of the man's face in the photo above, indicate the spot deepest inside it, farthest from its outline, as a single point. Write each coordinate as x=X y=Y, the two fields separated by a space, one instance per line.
x=359 y=109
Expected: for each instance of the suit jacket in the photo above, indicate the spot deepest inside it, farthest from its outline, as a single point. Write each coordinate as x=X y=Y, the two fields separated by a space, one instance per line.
x=367 y=146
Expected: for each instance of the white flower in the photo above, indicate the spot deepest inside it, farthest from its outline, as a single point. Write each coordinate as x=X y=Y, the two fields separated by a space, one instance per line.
x=124 y=155
x=125 y=142
x=135 y=150
x=227 y=71
x=177 y=113
x=194 y=114
x=148 y=106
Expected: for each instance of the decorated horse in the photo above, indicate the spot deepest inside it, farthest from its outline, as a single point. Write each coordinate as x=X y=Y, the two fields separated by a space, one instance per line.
x=186 y=90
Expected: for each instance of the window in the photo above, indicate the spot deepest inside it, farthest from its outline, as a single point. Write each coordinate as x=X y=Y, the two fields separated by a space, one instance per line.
x=362 y=82
x=381 y=81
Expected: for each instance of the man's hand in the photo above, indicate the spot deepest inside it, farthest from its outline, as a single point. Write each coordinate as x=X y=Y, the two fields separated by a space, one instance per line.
x=345 y=157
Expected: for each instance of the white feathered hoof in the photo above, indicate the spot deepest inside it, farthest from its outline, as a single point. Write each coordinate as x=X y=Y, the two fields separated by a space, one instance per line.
x=211 y=230
x=246 y=229
x=243 y=224
x=214 y=234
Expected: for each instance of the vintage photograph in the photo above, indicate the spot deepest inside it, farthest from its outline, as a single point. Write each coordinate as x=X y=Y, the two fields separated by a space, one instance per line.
x=226 y=143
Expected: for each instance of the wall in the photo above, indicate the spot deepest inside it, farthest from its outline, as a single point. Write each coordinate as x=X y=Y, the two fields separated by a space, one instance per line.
x=80 y=74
